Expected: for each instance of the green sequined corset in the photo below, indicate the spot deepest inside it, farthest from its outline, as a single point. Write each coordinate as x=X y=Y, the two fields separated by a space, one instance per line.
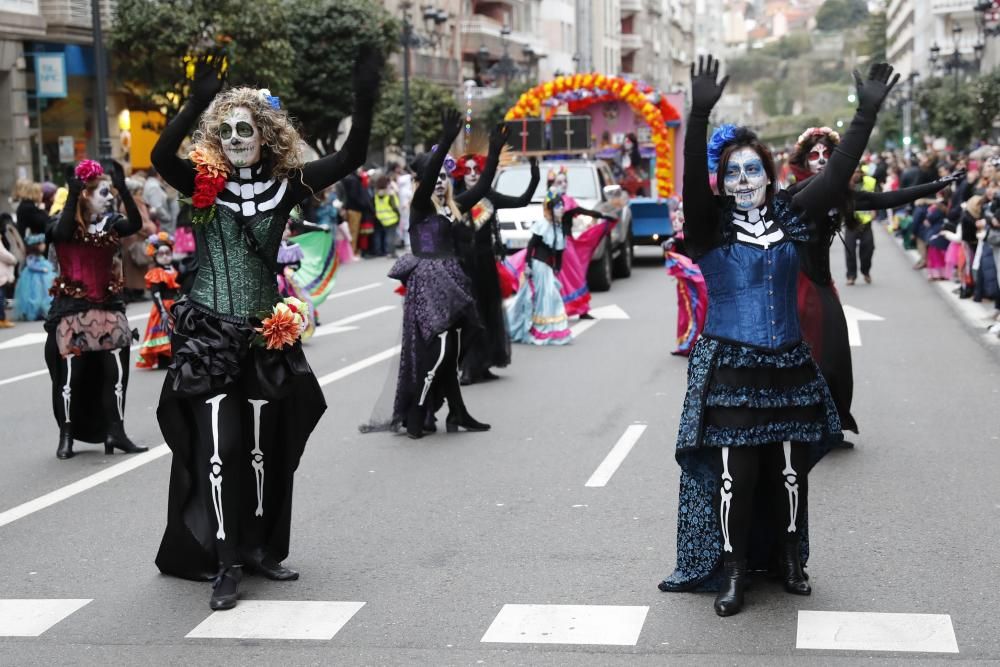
x=232 y=280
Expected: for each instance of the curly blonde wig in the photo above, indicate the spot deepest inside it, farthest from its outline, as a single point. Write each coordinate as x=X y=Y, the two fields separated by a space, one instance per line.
x=279 y=138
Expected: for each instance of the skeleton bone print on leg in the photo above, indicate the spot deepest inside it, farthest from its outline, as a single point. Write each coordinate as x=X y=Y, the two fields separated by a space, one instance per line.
x=119 y=386
x=215 y=469
x=67 y=390
x=429 y=380
x=726 y=494
x=745 y=178
x=792 y=486
x=240 y=138
x=256 y=455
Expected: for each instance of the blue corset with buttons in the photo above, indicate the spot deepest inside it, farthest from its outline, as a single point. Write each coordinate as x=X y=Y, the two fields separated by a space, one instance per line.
x=753 y=294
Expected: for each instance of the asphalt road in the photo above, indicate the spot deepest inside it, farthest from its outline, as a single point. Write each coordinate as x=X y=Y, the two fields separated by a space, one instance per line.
x=432 y=539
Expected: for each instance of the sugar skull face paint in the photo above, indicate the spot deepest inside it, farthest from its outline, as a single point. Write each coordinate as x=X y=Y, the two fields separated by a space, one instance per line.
x=101 y=198
x=818 y=157
x=441 y=186
x=240 y=138
x=471 y=176
x=745 y=179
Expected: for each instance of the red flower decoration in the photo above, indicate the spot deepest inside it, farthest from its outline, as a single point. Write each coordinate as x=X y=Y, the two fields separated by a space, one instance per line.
x=206 y=189
x=88 y=169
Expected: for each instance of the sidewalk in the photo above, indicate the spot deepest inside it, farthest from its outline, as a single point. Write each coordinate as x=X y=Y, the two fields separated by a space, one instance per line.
x=978 y=316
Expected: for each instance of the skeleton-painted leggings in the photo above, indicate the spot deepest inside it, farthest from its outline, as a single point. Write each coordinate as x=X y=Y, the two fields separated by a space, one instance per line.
x=438 y=374
x=73 y=382
x=233 y=437
x=779 y=466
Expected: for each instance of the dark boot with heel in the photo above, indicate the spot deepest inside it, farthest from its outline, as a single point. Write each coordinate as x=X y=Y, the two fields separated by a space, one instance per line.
x=735 y=580
x=793 y=578
x=226 y=588
x=65 y=449
x=117 y=439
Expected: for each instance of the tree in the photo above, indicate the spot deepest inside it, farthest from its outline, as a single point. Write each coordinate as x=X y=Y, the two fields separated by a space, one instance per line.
x=840 y=14
x=427 y=101
x=326 y=37
x=949 y=114
x=150 y=40
x=497 y=107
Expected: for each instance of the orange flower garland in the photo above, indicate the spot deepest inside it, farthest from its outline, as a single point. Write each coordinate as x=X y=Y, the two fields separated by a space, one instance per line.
x=288 y=319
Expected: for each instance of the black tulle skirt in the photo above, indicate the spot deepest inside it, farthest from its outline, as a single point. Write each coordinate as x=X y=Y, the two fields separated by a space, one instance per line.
x=491 y=347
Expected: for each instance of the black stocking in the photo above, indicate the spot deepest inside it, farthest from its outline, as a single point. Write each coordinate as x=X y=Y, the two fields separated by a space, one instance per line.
x=737 y=485
x=114 y=370
x=784 y=472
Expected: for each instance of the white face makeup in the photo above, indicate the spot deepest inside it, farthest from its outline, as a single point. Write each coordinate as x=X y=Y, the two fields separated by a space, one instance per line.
x=441 y=186
x=818 y=157
x=101 y=198
x=745 y=179
x=561 y=183
x=164 y=254
x=471 y=173
x=240 y=138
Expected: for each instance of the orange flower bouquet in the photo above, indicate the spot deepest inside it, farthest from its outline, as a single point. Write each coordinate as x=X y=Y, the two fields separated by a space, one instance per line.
x=284 y=326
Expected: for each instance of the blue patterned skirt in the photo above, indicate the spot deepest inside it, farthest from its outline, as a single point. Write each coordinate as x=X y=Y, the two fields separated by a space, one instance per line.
x=741 y=396
x=536 y=314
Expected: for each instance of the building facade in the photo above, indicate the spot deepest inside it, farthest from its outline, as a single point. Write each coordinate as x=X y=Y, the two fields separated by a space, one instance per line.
x=915 y=27
x=46 y=88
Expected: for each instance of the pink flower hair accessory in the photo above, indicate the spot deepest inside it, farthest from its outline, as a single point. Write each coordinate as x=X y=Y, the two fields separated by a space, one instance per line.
x=819 y=132
x=88 y=170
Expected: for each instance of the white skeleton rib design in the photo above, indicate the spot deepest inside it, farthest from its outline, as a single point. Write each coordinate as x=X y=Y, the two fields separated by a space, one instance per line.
x=119 y=386
x=430 y=374
x=458 y=341
x=67 y=391
x=792 y=486
x=215 y=471
x=726 y=494
x=256 y=455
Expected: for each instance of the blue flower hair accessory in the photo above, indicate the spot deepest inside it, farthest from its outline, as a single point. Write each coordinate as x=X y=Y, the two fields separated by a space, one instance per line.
x=449 y=161
x=272 y=101
x=721 y=137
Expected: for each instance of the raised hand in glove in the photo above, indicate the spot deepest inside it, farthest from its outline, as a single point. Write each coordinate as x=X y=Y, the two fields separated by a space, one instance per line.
x=953 y=177
x=367 y=75
x=451 y=125
x=706 y=89
x=117 y=172
x=873 y=90
x=498 y=137
x=73 y=184
x=209 y=77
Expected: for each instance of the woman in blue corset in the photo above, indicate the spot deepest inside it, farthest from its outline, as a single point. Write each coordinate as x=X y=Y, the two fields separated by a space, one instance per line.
x=758 y=413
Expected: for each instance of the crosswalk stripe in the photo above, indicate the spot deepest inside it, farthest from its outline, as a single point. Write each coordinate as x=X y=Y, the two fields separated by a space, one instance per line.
x=567 y=624
x=870 y=631
x=273 y=619
x=31 y=618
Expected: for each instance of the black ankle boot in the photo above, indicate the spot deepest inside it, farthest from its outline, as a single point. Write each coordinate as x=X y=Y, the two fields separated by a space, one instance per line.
x=415 y=419
x=430 y=423
x=65 y=449
x=464 y=420
x=226 y=588
x=729 y=601
x=790 y=569
x=118 y=440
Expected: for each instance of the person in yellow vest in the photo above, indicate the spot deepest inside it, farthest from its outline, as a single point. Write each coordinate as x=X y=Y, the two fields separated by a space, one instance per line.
x=387 y=214
x=858 y=232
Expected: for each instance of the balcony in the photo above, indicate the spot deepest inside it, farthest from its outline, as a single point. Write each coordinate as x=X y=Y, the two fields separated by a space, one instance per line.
x=629 y=7
x=479 y=30
x=952 y=6
x=630 y=42
x=71 y=18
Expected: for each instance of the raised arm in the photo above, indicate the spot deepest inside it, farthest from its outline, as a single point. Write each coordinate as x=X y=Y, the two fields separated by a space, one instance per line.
x=64 y=228
x=701 y=220
x=469 y=198
x=874 y=201
x=451 y=125
x=509 y=201
x=132 y=222
x=209 y=77
x=827 y=188
x=324 y=172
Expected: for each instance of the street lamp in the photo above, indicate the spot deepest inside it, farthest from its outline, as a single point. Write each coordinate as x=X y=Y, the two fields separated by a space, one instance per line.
x=101 y=94
x=954 y=61
x=434 y=19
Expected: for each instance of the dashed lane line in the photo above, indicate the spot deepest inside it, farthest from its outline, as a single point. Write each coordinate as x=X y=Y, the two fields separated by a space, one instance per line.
x=616 y=456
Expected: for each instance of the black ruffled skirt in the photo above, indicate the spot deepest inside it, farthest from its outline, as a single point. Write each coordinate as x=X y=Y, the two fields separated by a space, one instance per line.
x=491 y=348
x=213 y=356
x=741 y=396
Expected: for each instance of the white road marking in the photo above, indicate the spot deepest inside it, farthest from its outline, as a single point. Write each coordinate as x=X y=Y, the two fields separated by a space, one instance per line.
x=31 y=618
x=567 y=624
x=136 y=460
x=273 y=619
x=616 y=456
x=581 y=326
x=337 y=295
x=853 y=316
x=868 y=631
x=131 y=463
x=359 y=365
x=25 y=376
x=33 y=338
x=611 y=312
x=341 y=324
x=138 y=318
